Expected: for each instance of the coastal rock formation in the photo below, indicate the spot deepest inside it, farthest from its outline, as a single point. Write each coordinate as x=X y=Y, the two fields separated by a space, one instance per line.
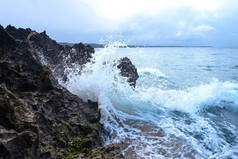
x=58 y=57
x=55 y=56
x=39 y=118
x=128 y=70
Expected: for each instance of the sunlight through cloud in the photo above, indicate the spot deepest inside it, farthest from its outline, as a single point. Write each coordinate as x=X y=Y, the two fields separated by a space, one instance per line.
x=123 y=9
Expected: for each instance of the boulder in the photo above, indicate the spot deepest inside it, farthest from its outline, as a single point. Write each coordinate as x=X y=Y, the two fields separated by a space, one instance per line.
x=127 y=69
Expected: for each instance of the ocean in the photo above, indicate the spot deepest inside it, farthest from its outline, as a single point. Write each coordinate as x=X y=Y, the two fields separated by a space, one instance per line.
x=185 y=104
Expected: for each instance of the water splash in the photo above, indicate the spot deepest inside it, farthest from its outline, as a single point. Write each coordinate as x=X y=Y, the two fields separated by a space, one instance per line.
x=158 y=119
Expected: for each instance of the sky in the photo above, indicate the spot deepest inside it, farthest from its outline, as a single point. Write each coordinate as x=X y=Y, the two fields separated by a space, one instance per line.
x=139 y=22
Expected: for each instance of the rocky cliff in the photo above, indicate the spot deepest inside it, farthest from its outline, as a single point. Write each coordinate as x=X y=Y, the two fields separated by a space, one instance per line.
x=39 y=119
x=57 y=56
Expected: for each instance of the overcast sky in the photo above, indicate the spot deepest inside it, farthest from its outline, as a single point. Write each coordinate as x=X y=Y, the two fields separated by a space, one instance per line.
x=150 y=22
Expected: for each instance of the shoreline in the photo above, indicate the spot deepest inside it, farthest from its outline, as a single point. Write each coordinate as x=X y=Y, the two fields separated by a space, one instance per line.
x=38 y=117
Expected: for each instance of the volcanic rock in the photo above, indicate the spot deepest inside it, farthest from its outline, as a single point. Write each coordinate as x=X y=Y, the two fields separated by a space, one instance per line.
x=58 y=57
x=39 y=119
x=128 y=70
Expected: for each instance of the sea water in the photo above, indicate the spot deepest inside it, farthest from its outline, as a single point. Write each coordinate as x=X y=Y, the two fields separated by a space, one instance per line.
x=184 y=105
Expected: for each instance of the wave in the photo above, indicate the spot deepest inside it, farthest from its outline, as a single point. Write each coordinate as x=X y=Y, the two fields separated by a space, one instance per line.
x=158 y=119
x=215 y=93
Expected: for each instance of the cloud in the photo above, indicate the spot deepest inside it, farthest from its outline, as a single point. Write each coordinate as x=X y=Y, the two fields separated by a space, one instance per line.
x=203 y=28
x=123 y=9
x=138 y=21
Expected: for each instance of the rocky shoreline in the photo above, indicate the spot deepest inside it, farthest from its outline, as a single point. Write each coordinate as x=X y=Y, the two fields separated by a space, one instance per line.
x=39 y=119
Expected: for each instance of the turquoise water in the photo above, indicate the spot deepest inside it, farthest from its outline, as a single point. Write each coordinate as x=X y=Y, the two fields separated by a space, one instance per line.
x=185 y=104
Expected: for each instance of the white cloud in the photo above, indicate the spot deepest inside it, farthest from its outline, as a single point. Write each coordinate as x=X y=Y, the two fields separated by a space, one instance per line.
x=123 y=9
x=189 y=31
x=203 y=28
x=146 y=21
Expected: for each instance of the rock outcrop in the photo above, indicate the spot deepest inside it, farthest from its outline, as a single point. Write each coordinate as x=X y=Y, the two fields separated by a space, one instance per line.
x=58 y=57
x=39 y=119
x=128 y=70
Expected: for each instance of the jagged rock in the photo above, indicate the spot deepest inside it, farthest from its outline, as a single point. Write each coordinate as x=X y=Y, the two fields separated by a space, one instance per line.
x=18 y=132
x=128 y=70
x=18 y=34
x=39 y=119
x=6 y=41
x=83 y=53
x=60 y=57
x=57 y=56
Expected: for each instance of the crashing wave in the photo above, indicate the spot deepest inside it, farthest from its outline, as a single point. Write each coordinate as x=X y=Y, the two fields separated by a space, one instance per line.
x=158 y=119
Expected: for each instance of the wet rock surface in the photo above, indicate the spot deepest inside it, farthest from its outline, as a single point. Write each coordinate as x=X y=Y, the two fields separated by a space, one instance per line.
x=128 y=70
x=58 y=57
x=38 y=117
x=112 y=151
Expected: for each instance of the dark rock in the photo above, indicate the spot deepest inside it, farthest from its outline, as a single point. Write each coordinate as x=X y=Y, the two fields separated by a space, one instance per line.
x=112 y=151
x=18 y=34
x=128 y=70
x=56 y=56
x=82 y=55
x=59 y=57
x=21 y=145
x=3 y=152
x=18 y=132
x=38 y=117
x=6 y=41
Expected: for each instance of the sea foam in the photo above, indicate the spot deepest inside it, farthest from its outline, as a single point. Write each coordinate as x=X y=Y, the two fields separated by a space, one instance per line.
x=158 y=119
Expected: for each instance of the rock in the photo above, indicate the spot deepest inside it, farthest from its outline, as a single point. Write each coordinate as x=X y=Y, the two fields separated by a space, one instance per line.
x=39 y=119
x=19 y=145
x=56 y=56
x=112 y=151
x=6 y=41
x=59 y=57
x=18 y=132
x=128 y=70
x=82 y=54
x=18 y=34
